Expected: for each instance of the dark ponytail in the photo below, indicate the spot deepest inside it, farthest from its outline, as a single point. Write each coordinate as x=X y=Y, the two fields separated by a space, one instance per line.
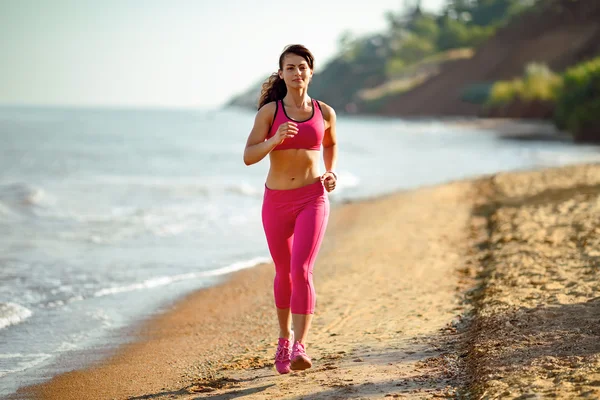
x=274 y=88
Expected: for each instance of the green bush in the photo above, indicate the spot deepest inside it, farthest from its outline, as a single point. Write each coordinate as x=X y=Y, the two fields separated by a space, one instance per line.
x=505 y=92
x=426 y=27
x=575 y=96
x=415 y=48
x=394 y=66
x=578 y=102
x=539 y=83
x=456 y=34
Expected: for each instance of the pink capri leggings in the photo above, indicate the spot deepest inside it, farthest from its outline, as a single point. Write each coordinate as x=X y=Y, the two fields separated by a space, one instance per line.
x=295 y=221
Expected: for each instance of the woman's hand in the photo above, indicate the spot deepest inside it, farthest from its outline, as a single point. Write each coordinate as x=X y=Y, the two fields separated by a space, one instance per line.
x=329 y=180
x=286 y=130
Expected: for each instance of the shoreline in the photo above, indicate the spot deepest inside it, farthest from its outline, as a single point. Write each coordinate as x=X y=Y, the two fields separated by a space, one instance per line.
x=201 y=334
x=405 y=307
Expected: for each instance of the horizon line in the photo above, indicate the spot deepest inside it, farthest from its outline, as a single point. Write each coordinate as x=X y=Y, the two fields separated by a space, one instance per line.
x=131 y=107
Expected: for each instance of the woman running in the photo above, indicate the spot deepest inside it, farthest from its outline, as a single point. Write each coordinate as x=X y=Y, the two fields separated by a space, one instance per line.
x=291 y=128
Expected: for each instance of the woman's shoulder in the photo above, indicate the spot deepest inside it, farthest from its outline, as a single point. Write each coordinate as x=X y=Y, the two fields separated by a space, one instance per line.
x=327 y=110
x=269 y=106
x=268 y=110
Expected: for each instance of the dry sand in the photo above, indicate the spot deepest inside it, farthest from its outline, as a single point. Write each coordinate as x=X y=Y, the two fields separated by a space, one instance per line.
x=391 y=320
x=536 y=332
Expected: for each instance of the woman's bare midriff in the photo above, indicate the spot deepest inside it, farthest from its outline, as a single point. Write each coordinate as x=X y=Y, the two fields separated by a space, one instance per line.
x=293 y=168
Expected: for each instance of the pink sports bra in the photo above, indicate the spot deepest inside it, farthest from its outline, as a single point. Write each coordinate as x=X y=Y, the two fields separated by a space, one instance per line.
x=310 y=132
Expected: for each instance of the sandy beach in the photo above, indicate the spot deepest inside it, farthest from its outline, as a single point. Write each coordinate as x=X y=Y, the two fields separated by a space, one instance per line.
x=438 y=292
x=388 y=290
x=536 y=331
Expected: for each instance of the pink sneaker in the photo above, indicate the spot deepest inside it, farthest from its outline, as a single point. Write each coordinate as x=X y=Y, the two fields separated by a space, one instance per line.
x=282 y=356
x=299 y=359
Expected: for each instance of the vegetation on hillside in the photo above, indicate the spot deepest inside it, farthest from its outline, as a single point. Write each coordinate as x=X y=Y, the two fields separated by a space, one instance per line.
x=539 y=83
x=571 y=99
x=530 y=96
x=410 y=50
x=578 y=101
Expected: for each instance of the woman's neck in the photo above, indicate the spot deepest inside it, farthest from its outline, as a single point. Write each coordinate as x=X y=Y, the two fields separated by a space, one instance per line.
x=298 y=98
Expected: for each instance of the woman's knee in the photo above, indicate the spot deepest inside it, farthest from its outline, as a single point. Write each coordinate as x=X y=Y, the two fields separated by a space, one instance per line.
x=301 y=274
x=283 y=278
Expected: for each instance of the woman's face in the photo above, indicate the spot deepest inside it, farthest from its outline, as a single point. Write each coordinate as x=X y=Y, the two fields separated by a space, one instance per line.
x=296 y=72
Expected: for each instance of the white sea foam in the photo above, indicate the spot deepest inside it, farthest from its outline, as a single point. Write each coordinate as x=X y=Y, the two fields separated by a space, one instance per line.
x=166 y=280
x=12 y=314
x=17 y=362
x=21 y=196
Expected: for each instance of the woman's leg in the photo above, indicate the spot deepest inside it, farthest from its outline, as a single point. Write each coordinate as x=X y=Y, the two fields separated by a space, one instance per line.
x=302 y=324
x=279 y=232
x=285 y=322
x=311 y=224
x=278 y=223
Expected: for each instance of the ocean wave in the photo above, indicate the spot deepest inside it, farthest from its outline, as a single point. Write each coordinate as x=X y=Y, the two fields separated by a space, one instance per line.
x=245 y=189
x=192 y=184
x=132 y=223
x=347 y=180
x=166 y=280
x=158 y=282
x=21 y=197
x=17 y=362
x=12 y=314
x=189 y=185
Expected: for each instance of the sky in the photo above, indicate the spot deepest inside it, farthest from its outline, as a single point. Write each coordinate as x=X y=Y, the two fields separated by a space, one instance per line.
x=164 y=53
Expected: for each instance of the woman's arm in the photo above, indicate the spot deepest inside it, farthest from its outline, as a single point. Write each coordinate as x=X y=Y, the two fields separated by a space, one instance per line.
x=256 y=145
x=329 y=140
